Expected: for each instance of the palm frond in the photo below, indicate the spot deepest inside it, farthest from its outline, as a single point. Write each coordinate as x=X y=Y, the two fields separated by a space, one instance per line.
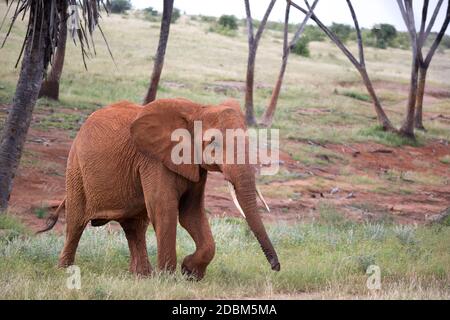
x=44 y=17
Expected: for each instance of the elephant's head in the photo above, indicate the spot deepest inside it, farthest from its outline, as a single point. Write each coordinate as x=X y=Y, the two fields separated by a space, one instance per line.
x=152 y=133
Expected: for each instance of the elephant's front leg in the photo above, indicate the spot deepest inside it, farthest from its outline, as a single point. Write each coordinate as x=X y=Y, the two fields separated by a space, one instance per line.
x=193 y=218
x=161 y=201
x=165 y=224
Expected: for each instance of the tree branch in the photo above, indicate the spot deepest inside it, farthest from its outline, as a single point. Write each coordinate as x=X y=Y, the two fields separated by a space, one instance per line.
x=302 y=26
x=423 y=23
x=358 y=34
x=331 y=35
x=263 y=21
x=286 y=30
x=249 y=23
x=439 y=37
x=433 y=19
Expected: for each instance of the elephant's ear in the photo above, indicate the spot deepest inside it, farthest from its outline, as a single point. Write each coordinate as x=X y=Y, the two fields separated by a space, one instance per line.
x=151 y=132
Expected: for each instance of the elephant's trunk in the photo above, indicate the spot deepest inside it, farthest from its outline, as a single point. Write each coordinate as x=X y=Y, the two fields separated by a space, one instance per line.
x=244 y=185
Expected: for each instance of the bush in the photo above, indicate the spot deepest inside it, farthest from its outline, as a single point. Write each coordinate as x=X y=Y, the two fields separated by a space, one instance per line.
x=222 y=30
x=176 y=14
x=446 y=42
x=401 y=41
x=228 y=21
x=120 y=6
x=313 y=33
x=208 y=19
x=384 y=34
x=151 y=11
x=301 y=47
x=343 y=31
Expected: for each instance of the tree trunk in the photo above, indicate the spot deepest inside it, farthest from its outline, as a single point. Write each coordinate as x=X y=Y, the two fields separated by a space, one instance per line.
x=267 y=118
x=381 y=115
x=50 y=86
x=19 y=117
x=407 y=128
x=418 y=118
x=249 y=108
x=161 y=51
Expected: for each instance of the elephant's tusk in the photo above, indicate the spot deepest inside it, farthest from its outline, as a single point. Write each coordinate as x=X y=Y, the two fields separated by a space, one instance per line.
x=262 y=198
x=235 y=200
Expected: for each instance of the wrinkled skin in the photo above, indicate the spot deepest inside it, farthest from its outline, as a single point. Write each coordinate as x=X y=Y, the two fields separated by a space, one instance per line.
x=119 y=168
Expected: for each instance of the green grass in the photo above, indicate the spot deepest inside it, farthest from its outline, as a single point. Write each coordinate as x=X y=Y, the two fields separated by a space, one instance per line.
x=445 y=159
x=357 y=95
x=377 y=134
x=40 y=212
x=11 y=228
x=327 y=258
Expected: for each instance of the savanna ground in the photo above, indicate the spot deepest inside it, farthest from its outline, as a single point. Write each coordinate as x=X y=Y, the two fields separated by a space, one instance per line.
x=347 y=195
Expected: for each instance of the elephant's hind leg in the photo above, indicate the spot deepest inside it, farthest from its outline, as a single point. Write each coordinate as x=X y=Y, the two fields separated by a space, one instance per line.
x=75 y=216
x=135 y=230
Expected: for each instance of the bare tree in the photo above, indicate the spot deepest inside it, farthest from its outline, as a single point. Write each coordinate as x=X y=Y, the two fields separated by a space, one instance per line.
x=50 y=86
x=270 y=110
x=37 y=50
x=253 y=42
x=160 y=52
x=406 y=9
x=359 y=64
x=425 y=60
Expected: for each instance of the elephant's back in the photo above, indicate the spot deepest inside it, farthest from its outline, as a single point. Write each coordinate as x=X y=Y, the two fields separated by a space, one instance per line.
x=105 y=138
x=111 y=119
x=105 y=154
x=108 y=126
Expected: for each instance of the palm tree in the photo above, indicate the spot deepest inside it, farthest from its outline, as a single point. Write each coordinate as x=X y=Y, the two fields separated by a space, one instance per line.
x=50 y=86
x=160 y=52
x=38 y=48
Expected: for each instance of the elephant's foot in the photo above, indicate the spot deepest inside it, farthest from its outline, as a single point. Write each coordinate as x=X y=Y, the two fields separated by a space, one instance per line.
x=193 y=271
x=65 y=262
x=141 y=269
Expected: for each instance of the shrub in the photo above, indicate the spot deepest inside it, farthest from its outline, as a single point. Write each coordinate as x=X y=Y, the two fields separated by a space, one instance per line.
x=176 y=14
x=384 y=34
x=343 y=31
x=228 y=21
x=446 y=42
x=222 y=30
x=120 y=6
x=301 y=47
x=313 y=33
x=208 y=19
x=151 y=11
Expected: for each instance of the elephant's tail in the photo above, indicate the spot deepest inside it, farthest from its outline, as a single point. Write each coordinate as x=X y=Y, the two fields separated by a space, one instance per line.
x=53 y=218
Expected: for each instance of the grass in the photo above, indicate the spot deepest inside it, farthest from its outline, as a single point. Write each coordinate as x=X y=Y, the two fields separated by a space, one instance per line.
x=377 y=134
x=357 y=95
x=321 y=259
x=445 y=159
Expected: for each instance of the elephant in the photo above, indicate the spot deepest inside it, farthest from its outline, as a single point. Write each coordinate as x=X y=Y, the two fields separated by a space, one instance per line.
x=119 y=168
